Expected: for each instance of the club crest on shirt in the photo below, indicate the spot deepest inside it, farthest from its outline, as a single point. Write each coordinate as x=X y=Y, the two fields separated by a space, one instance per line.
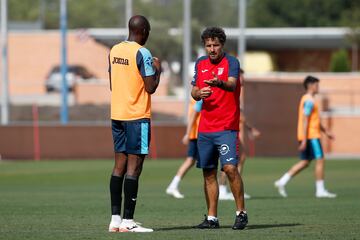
x=220 y=71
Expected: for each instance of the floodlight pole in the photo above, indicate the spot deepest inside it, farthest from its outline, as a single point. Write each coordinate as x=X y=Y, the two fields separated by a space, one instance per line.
x=242 y=27
x=186 y=54
x=242 y=43
x=4 y=66
x=129 y=11
x=64 y=115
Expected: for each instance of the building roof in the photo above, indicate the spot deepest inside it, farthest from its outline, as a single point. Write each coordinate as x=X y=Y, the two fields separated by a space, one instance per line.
x=257 y=38
x=280 y=38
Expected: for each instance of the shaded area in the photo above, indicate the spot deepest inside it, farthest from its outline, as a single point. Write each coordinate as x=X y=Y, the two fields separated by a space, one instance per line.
x=263 y=226
x=249 y=227
x=266 y=197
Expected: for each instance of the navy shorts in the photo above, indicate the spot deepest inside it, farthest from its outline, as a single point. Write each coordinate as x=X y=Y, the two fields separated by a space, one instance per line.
x=223 y=146
x=313 y=150
x=193 y=149
x=131 y=137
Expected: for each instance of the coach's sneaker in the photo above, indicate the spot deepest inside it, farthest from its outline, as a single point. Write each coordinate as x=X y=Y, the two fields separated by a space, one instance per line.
x=241 y=221
x=128 y=225
x=325 y=194
x=209 y=224
x=174 y=192
x=281 y=189
x=115 y=223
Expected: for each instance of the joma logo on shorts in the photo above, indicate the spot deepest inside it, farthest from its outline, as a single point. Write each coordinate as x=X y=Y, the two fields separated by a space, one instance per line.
x=122 y=61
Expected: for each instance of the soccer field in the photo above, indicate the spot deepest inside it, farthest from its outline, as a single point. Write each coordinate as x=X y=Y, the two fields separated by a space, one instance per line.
x=70 y=200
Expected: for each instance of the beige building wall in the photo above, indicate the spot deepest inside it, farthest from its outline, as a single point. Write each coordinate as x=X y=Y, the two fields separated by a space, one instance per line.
x=32 y=55
x=271 y=104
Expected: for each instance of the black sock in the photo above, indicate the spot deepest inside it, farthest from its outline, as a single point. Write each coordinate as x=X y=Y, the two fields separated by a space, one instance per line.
x=131 y=184
x=115 y=194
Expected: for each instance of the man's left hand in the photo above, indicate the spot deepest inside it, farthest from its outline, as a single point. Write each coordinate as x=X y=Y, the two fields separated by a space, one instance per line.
x=215 y=82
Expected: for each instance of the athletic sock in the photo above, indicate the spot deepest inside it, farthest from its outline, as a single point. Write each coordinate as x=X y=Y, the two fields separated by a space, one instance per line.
x=115 y=219
x=222 y=189
x=175 y=182
x=320 y=186
x=285 y=179
x=212 y=218
x=131 y=184
x=238 y=212
x=116 y=183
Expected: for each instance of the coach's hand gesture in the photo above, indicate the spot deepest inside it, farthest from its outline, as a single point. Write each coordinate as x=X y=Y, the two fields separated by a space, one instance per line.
x=215 y=82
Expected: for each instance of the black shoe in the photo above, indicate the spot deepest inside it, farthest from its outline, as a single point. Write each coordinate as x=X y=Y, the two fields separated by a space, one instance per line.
x=240 y=221
x=208 y=224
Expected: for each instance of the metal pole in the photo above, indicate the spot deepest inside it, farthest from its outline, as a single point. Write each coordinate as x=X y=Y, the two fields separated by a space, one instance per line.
x=242 y=44
x=186 y=54
x=64 y=91
x=42 y=10
x=354 y=56
x=129 y=11
x=242 y=27
x=4 y=66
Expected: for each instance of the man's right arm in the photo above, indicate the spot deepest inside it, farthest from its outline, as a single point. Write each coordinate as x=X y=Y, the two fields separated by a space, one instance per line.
x=197 y=93
x=202 y=93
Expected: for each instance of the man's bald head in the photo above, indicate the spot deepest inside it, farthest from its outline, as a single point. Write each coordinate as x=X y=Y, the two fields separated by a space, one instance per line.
x=138 y=23
x=139 y=26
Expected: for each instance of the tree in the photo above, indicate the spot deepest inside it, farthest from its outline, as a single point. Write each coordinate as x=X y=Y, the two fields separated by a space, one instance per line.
x=298 y=13
x=23 y=10
x=340 y=61
x=353 y=21
x=81 y=13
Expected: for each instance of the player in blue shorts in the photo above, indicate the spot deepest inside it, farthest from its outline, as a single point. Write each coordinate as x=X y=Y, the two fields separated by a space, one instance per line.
x=190 y=139
x=134 y=75
x=217 y=84
x=309 y=133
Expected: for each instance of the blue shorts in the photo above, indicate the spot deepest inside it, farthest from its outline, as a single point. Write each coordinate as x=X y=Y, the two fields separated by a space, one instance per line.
x=313 y=150
x=193 y=149
x=131 y=137
x=222 y=145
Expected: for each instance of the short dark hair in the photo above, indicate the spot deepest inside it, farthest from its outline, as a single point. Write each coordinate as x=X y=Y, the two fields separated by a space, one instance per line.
x=310 y=80
x=213 y=32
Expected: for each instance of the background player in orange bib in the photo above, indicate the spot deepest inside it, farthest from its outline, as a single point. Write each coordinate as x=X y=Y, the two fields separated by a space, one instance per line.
x=190 y=139
x=309 y=133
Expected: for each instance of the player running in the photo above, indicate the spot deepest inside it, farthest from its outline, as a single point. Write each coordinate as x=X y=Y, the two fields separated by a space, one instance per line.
x=309 y=131
x=190 y=139
x=134 y=75
x=216 y=82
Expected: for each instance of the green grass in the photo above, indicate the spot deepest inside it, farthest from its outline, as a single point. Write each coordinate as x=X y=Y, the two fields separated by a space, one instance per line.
x=70 y=200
